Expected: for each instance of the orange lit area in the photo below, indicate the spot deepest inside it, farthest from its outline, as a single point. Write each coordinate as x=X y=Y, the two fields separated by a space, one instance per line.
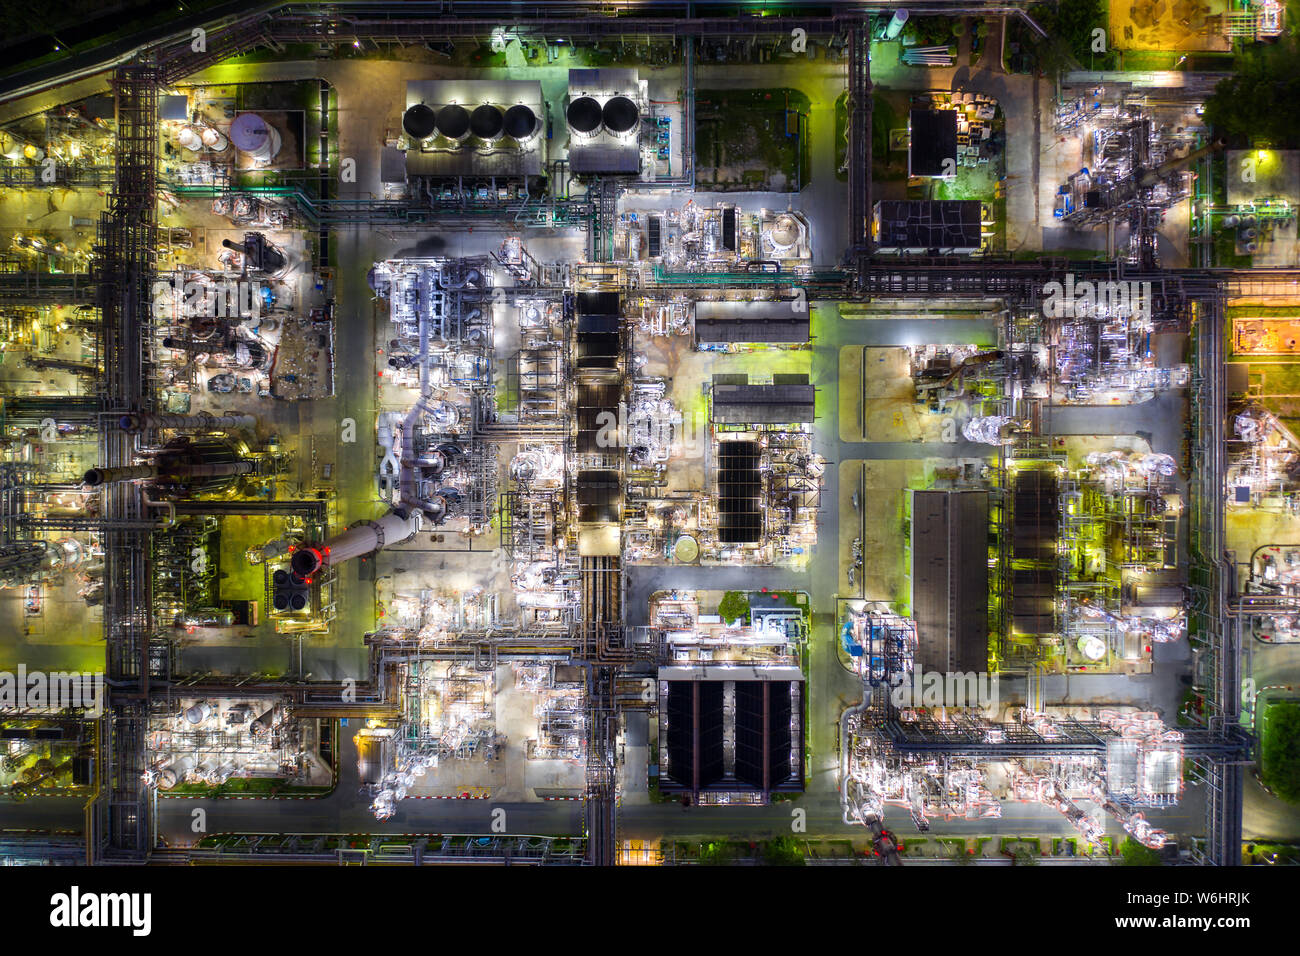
x=639 y=853
x=1266 y=336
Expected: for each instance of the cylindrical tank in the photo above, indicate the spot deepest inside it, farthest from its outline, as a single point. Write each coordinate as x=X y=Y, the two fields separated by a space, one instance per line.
x=208 y=766
x=175 y=773
x=255 y=137
x=622 y=117
x=486 y=122
x=198 y=713
x=453 y=122
x=356 y=541
x=521 y=123
x=419 y=121
x=1093 y=648
x=264 y=724
x=896 y=24
x=214 y=139
x=686 y=549
x=585 y=118
x=187 y=137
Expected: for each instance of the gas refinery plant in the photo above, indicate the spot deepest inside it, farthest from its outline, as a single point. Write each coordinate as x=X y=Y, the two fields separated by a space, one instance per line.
x=449 y=436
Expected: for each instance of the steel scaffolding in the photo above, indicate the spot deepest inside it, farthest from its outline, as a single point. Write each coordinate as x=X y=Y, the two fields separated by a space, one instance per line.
x=124 y=270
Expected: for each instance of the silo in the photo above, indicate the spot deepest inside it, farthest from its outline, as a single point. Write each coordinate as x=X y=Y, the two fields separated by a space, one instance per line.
x=584 y=116
x=419 y=122
x=622 y=117
x=255 y=138
x=521 y=123
x=486 y=123
x=453 y=122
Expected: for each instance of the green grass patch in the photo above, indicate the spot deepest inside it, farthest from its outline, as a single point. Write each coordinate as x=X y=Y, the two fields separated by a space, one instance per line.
x=1279 y=758
x=1133 y=853
x=744 y=138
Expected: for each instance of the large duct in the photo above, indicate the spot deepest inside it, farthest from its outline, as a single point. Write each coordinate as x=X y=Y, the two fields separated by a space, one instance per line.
x=94 y=477
x=521 y=123
x=263 y=725
x=453 y=122
x=622 y=117
x=259 y=254
x=419 y=122
x=585 y=118
x=486 y=123
x=361 y=539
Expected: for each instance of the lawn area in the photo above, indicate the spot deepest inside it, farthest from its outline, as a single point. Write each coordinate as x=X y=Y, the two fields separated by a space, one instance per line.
x=1279 y=758
x=752 y=140
x=884 y=117
x=1279 y=389
x=264 y=787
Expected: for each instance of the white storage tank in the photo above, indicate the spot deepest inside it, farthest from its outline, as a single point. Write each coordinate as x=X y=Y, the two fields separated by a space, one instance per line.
x=175 y=773
x=187 y=137
x=198 y=713
x=214 y=139
x=896 y=24
x=255 y=137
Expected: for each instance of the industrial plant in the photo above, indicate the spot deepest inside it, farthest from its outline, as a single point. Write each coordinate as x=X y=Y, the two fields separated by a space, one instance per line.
x=439 y=437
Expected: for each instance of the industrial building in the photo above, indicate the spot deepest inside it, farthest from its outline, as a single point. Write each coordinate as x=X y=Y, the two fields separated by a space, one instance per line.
x=950 y=587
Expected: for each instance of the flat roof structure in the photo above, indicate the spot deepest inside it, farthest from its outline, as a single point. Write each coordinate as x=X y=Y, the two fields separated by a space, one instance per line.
x=945 y=226
x=933 y=149
x=731 y=729
x=950 y=579
x=763 y=404
x=770 y=321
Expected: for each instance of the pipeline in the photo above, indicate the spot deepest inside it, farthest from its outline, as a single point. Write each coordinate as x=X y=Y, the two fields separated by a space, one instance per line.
x=203 y=421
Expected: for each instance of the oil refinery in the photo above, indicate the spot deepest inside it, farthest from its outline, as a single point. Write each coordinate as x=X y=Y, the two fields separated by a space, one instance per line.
x=437 y=436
